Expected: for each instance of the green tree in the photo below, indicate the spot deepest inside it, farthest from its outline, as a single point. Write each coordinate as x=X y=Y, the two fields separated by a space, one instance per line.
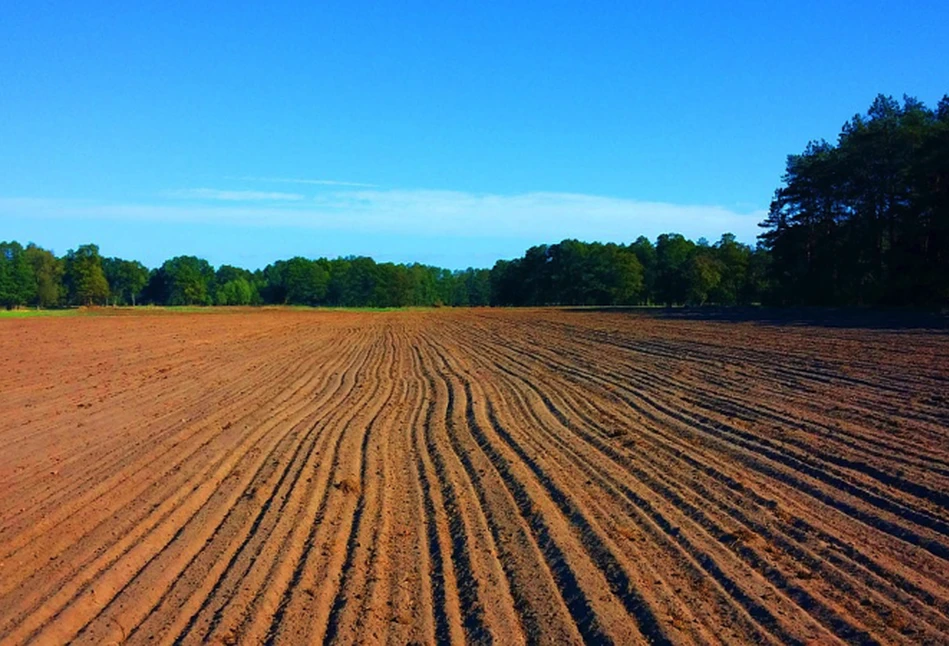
x=673 y=252
x=623 y=275
x=478 y=287
x=235 y=286
x=17 y=282
x=85 y=279
x=645 y=252
x=392 y=286
x=183 y=280
x=757 y=286
x=237 y=291
x=732 y=260
x=704 y=276
x=353 y=282
x=306 y=281
x=425 y=288
x=127 y=279
x=504 y=282
x=17 y=279
x=47 y=274
x=298 y=281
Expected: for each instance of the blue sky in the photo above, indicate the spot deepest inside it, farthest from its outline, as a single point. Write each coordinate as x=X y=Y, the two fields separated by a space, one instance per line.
x=442 y=132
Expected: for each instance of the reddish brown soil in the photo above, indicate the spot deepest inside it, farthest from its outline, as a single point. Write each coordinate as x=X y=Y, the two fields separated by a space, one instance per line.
x=471 y=476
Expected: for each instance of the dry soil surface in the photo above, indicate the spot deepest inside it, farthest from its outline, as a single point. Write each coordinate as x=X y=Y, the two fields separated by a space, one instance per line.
x=471 y=476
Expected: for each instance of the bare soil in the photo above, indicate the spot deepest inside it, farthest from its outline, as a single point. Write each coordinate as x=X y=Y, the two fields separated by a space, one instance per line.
x=471 y=476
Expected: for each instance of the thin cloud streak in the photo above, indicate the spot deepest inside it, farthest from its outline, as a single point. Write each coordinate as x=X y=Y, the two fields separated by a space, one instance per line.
x=533 y=217
x=312 y=182
x=232 y=196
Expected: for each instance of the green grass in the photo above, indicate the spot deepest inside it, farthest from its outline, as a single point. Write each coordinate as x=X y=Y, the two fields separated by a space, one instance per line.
x=96 y=311
x=23 y=314
x=189 y=309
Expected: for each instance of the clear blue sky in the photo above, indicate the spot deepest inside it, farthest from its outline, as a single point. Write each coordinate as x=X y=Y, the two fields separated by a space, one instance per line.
x=443 y=132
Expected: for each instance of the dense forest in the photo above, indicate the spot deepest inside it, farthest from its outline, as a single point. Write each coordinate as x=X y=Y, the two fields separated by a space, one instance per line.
x=864 y=222
x=673 y=270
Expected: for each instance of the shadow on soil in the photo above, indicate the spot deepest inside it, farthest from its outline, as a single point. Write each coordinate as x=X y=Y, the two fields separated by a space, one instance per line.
x=803 y=317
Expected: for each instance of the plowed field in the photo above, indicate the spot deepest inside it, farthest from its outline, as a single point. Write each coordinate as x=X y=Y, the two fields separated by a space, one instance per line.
x=471 y=476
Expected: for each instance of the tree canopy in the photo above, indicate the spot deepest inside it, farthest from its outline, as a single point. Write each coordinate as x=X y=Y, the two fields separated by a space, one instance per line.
x=85 y=280
x=566 y=273
x=866 y=221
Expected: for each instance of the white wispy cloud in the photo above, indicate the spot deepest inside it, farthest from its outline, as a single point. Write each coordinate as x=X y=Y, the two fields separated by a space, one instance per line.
x=544 y=216
x=312 y=182
x=232 y=196
x=536 y=217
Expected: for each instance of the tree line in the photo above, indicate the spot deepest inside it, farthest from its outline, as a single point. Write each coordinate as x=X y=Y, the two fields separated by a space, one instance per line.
x=35 y=277
x=863 y=222
x=673 y=270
